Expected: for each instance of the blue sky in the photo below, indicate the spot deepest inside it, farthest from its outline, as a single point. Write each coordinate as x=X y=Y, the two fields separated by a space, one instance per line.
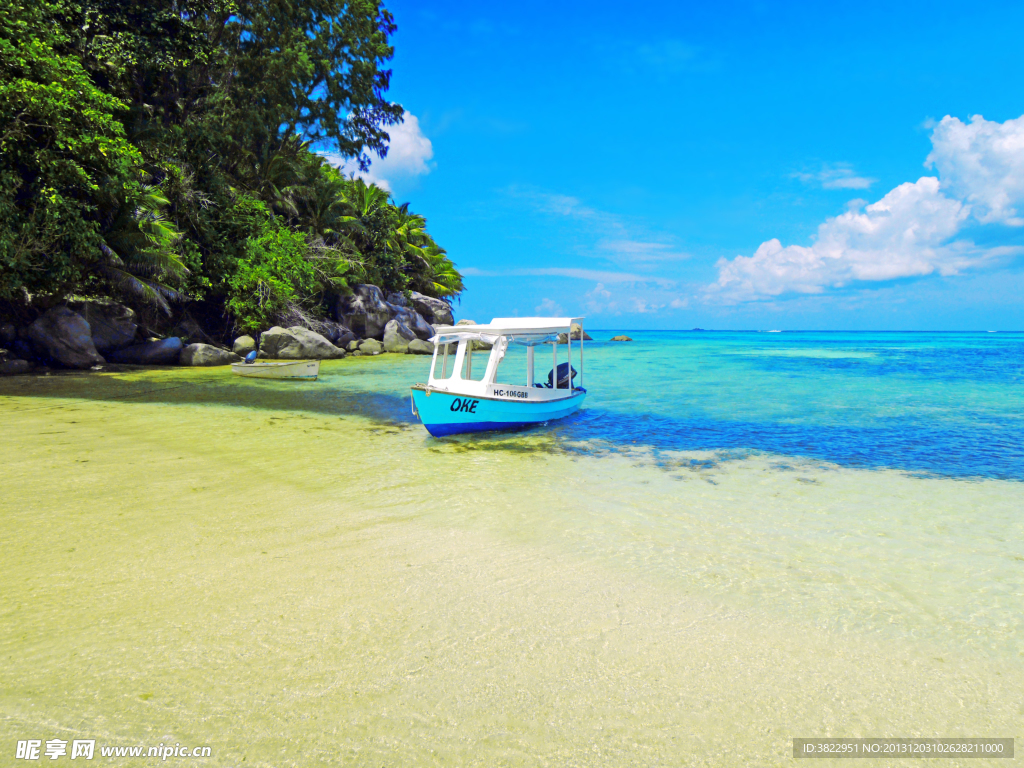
x=588 y=159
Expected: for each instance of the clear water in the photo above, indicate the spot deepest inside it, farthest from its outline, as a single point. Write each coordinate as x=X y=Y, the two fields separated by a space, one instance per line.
x=742 y=538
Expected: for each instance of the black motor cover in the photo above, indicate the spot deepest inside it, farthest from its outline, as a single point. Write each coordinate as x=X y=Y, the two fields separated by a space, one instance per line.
x=563 y=375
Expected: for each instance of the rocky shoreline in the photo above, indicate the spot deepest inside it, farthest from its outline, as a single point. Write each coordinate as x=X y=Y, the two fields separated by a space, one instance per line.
x=89 y=335
x=83 y=335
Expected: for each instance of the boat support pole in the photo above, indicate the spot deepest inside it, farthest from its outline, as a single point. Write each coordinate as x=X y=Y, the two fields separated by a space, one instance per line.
x=444 y=364
x=568 y=339
x=554 y=361
x=581 y=353
x=529 y=367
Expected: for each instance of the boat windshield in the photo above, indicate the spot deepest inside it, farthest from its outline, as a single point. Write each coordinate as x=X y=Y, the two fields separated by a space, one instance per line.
x=470 y=355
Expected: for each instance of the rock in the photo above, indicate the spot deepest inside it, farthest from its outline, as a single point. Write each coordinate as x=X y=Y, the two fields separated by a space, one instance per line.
x=22 y=348
x=316 y=346
x=243 y=345
x=353 y=346
x=420 y=347
x=8 y=333
x=207 y=354
x=397 y=337
x=158 y=352
x=370 y=347
x=336 y=333
x=398 y=300
x=190 y=331
x=475 y=346
x=434 y=311
x=64 y=336
x=297 y=343
x=14 y=367
x=621 y=338
x=365 y=312
x=112 y=325
x=575 y=330
x=412 y=320
x=339 y=335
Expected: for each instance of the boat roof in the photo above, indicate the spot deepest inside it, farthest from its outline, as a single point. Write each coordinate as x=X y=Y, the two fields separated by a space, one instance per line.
x=512 y=326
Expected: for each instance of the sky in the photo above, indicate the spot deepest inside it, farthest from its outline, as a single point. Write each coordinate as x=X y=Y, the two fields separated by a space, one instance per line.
x=844 y=166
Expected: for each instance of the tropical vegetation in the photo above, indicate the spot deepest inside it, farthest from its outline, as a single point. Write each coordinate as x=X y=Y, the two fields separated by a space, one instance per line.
x=167 y=153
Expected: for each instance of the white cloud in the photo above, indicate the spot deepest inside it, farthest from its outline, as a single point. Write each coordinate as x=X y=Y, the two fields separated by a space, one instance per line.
x=549 y=308
x=628 y=299
x=836 y=176
x=982 y=163
x=909 y=232
x=409 y=154
x=642 y=251
x=599 y=300
x=578 y=274
x=617 y=242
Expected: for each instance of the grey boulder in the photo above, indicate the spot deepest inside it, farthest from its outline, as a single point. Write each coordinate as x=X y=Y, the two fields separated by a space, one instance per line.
x=621 y=338
x=207 y=354
x=112 y=325
x=577 y=332
x=370 y=347
x=297 y=343
x=8 y=333
x=243 y=345
x=64 y=336
x=435 y=311
x=336 y=333
x=412 y=320
x=420 y=347
x=14 y=367
x=397 y=337
x=158 y=352
x=364 y=311
x=475 y=345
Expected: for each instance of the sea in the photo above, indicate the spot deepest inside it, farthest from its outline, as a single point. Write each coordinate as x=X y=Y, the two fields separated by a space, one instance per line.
x=741 y=539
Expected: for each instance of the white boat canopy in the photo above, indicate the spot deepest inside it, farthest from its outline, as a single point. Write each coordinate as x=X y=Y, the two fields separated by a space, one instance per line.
x=528 y=331
x=498 y=334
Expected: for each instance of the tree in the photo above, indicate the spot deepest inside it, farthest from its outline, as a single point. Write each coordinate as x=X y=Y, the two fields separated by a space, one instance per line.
x=161 y=151
x=61 y=148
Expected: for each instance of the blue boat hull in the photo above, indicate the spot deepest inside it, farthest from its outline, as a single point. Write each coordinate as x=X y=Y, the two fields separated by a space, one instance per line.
x=443 y=413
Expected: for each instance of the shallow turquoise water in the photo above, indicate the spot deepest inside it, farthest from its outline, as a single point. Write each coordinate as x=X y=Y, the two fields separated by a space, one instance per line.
x=742 y=538
x=948 y=404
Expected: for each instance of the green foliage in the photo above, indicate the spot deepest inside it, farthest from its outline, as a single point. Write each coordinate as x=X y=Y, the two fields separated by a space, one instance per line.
x=61 y=147
x=272 y=274
x=160 y=151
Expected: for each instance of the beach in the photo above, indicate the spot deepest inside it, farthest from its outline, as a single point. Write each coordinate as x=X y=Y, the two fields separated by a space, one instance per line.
x=728 y=551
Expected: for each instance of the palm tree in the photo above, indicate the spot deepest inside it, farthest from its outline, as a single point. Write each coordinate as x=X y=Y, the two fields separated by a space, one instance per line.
x=444 y=280
x=271 y=173
x=137 y=255
x=322 y=205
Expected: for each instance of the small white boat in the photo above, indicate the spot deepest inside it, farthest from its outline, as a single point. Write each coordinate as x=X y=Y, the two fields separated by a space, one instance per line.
x=454 y=402
x=286 y=369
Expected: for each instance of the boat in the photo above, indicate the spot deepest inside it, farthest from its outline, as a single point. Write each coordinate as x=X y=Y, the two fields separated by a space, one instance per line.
x=285 y=369
x=454 y=401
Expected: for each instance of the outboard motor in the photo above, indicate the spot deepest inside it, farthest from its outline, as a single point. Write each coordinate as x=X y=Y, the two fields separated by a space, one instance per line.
x=250 y=358
x=563 y=376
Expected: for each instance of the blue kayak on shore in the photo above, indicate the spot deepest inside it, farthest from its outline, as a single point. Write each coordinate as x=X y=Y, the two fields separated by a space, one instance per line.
x=455 y=402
